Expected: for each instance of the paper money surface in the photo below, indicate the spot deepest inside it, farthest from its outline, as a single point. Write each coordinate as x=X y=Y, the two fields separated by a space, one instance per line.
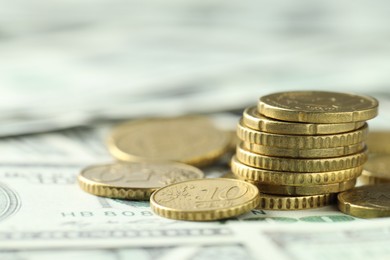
x=203 y=252
x=63 y=67
x=42 y=207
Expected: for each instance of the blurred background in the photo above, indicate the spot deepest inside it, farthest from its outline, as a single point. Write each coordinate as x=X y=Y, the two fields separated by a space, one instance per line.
x=71 y=63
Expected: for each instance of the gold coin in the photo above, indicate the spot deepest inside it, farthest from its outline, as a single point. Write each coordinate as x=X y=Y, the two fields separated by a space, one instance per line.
x=301 y=141
x=292 y=178
x=192 y=139
x=203 y=200
x=306 y=190
x=277 y=202
x=376 y=169
x=371 y=201
x=300 y=165
x=134 y=181
x=253 y=119
x=233 y=141
x=229 y=175
x=318 y=107
x=379 y=142
x=304 y=153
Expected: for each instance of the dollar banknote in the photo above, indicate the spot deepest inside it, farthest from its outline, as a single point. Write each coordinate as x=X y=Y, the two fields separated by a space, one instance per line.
x=281 y=243
x=188 y=252
x=44 y=213
x=133 y=59
x=42 y=206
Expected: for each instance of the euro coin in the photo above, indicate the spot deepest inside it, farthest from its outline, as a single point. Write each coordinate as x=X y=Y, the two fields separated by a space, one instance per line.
x=376 y=169
x=318 y=107
x=135 y=181
x=304 y=153
x=379 y=142
x=278 y=202
x=233 y=141
x=370 y=201
x=300 y=165
x=301 y=141
x=253 y=119
x=258 y=175
x=204 y=200
x=306 y=190
x=229 y=175
x=192 y=139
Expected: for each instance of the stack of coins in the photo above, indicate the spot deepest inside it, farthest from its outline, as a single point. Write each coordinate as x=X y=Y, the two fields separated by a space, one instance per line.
x=302 y=148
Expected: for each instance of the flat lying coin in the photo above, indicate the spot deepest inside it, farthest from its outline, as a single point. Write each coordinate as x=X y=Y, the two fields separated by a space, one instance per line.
x=318 y=107
x=253 y=119
x=253 y=174
x=371 y=201
x=301 y=141
x=229 y=175
x=304 y=153
x=379 y=142
x=192 y=139
x=300 y=165
x=135 y=181
x=306 y=190
x=276 y=202
x=233 y=141
x=206 y=199
x=376 y=169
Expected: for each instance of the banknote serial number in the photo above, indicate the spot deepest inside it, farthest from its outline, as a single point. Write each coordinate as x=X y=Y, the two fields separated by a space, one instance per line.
x=88 y=214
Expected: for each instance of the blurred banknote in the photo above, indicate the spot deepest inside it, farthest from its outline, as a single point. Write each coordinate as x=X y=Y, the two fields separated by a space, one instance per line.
x=132 y=59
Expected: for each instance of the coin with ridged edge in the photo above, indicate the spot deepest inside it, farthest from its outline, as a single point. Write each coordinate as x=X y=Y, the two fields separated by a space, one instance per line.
x=135 y=181
x=253 y=174
x=193 y=140
x=318 y=107
x=301 y=141
x=204 y=200
x=372 y=201
x=306 y=190
x=376 y=169
x=253 y=119
x=304 y=153
x=300 y=165
x=278 y=202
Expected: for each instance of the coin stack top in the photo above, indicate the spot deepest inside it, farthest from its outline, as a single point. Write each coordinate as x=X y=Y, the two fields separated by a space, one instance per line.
x=303 y=146
x=318 y=107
